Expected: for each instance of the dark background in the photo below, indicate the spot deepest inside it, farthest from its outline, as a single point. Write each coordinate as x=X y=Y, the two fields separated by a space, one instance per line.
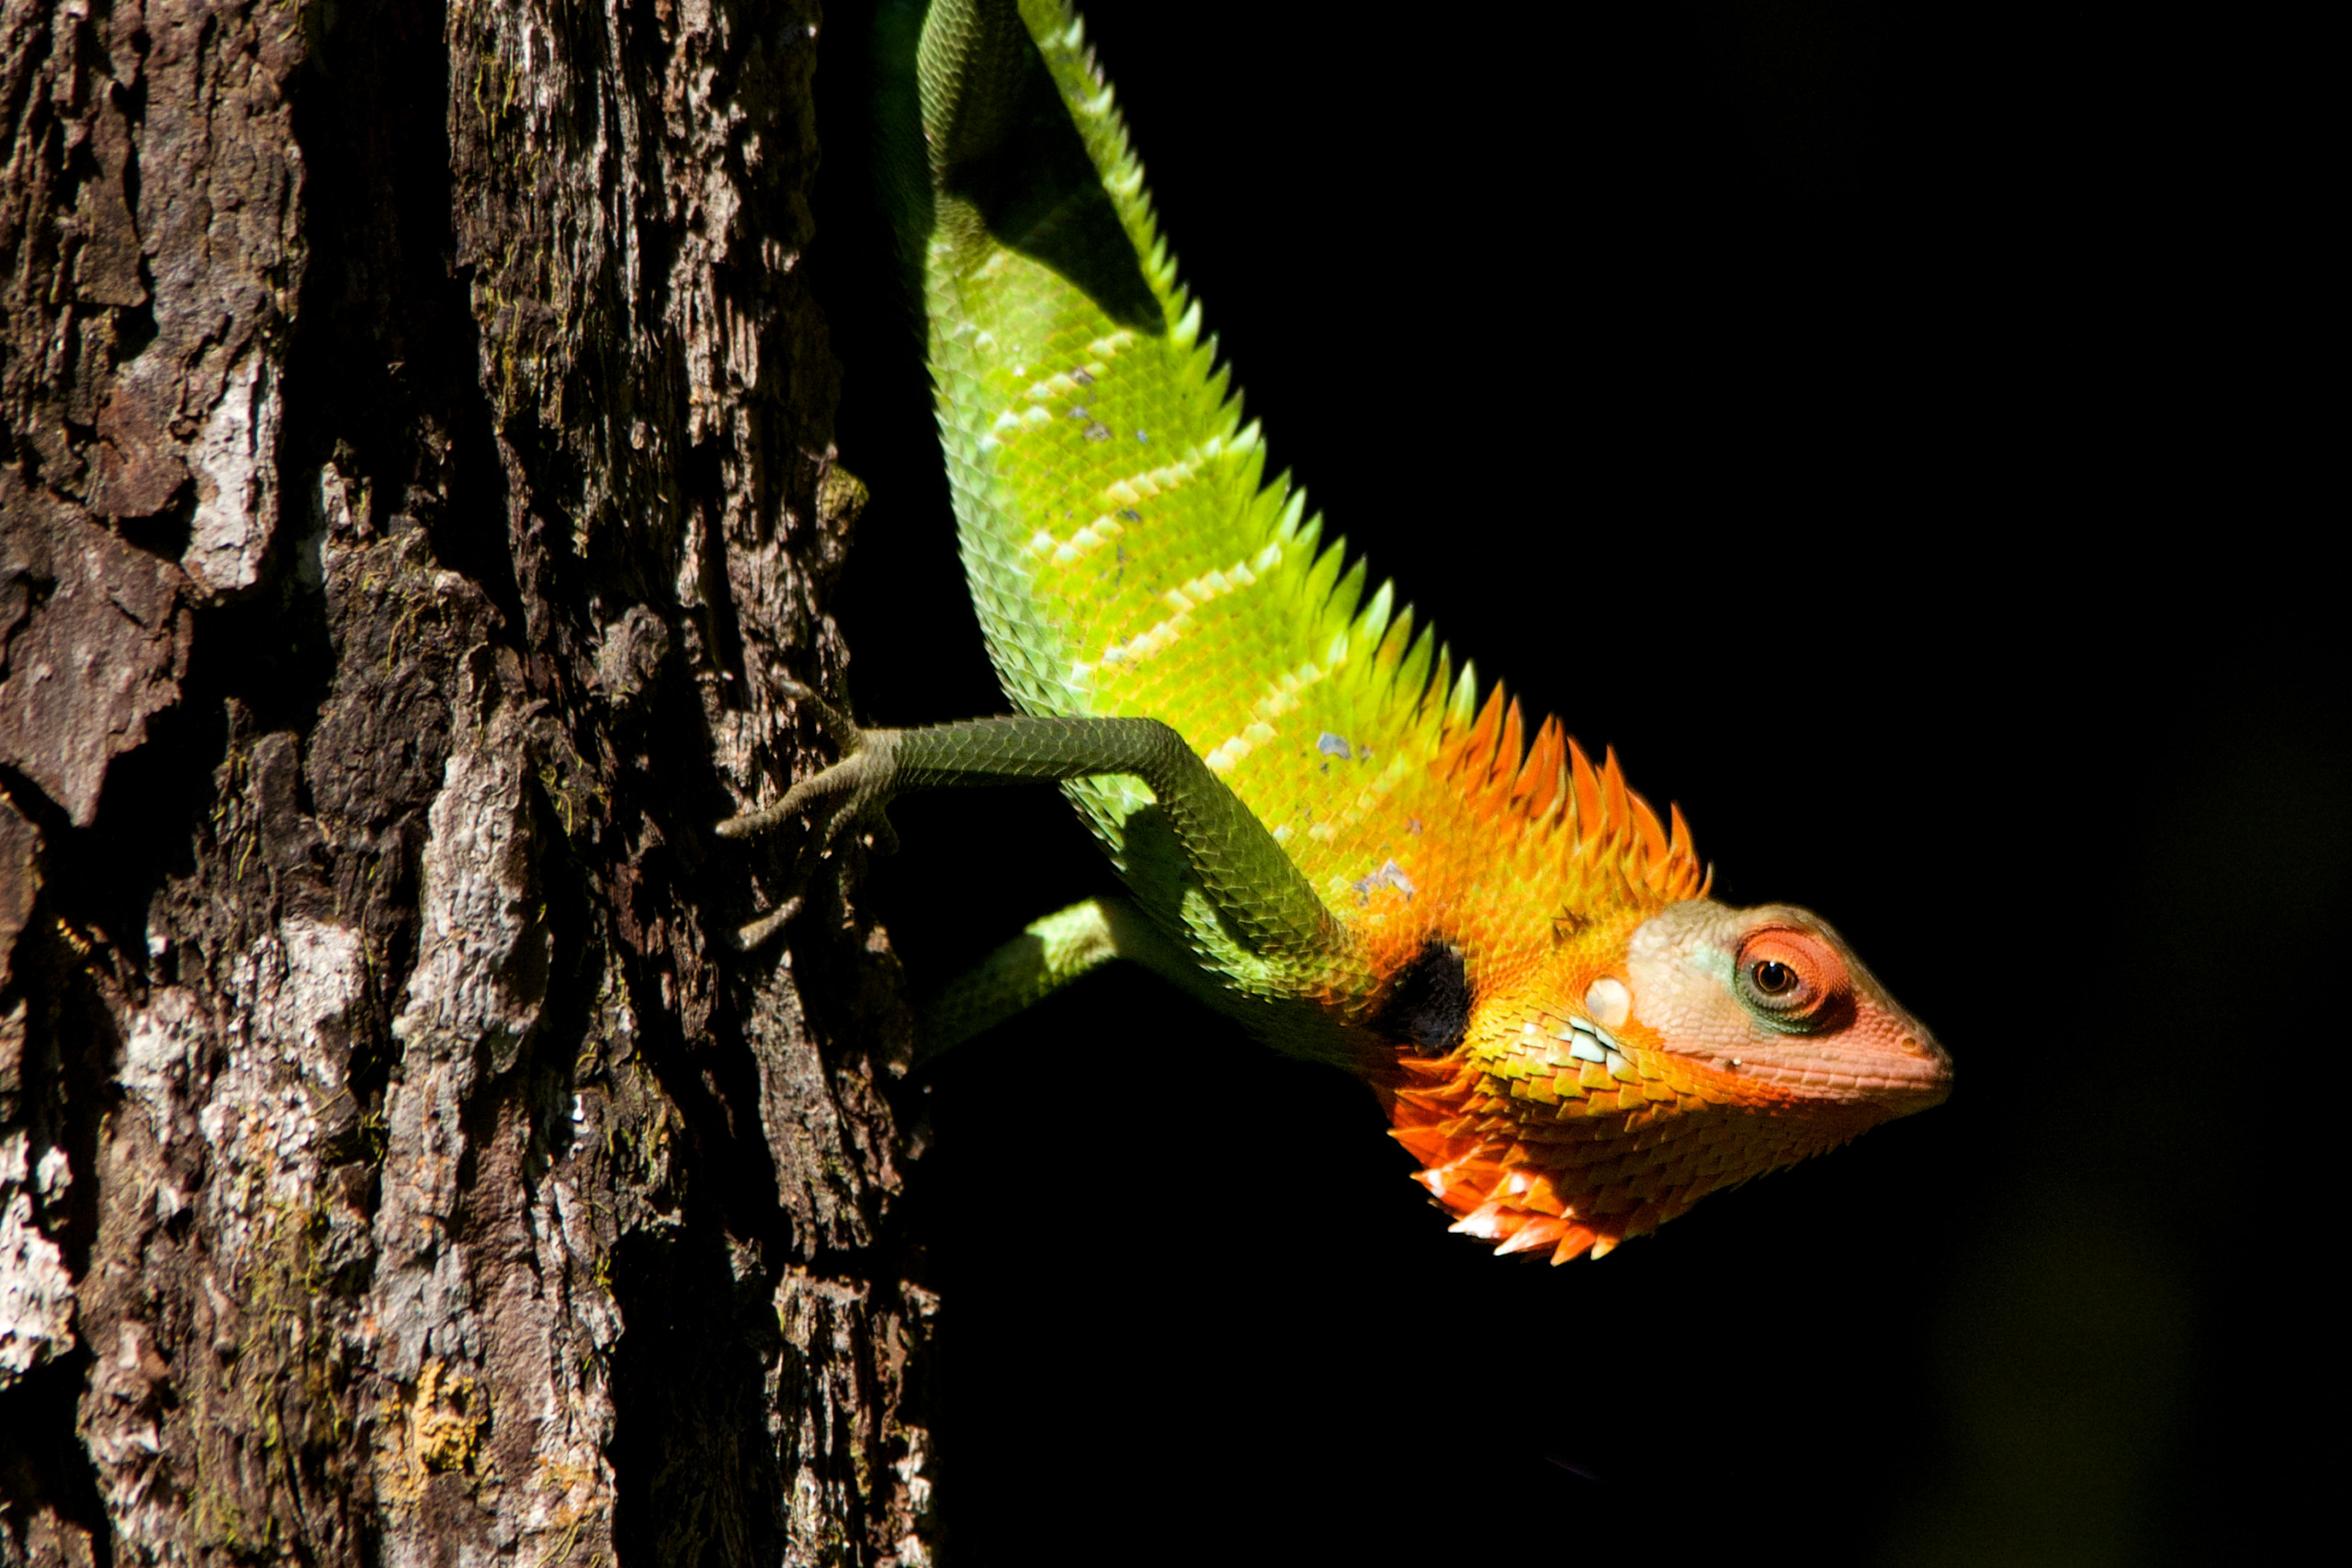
x=1880 y=424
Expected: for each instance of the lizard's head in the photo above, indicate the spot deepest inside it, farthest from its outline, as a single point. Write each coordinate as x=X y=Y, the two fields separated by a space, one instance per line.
x=1772 y=997
x=1653 y=1059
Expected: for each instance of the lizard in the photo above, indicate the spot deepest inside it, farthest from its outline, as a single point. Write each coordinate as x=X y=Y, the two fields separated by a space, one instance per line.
x=1327 y=831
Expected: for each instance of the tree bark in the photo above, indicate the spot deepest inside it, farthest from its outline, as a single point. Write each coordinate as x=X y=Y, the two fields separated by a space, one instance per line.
x=418 y=485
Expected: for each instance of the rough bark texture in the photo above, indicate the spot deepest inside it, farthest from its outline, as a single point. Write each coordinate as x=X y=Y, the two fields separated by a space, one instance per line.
x=418 y=485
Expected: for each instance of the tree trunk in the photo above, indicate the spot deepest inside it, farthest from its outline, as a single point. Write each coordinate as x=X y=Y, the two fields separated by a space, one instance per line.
x=418 y=485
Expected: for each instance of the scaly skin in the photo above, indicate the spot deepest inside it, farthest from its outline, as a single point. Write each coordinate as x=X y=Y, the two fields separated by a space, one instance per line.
x=1502 y=938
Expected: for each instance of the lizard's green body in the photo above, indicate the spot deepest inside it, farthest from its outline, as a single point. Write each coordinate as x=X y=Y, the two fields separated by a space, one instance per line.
x=1323 y=829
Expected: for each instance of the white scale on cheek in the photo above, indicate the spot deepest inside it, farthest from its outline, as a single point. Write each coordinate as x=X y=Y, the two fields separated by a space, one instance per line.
x=1585 y=1042
x=1609 y=1001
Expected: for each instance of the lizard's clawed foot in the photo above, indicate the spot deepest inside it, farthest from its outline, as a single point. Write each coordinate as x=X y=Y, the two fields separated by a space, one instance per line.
x=858 y=786
x=860 y=783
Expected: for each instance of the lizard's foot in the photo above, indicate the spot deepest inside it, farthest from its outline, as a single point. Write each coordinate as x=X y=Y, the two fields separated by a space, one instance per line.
x=857 y=787
x=860 y=782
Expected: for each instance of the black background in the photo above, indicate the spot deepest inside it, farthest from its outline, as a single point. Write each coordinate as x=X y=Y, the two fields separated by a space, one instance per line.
x=1880 y=423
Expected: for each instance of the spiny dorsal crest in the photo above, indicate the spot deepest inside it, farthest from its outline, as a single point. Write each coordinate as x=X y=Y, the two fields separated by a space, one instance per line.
x=1551 y=787
x=1603 y=830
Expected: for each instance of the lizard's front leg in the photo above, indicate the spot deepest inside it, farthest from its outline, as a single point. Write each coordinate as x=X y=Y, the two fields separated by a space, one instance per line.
x=1049 y=953
x=1246 y=874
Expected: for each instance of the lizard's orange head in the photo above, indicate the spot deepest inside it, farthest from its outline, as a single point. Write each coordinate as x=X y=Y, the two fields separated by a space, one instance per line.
x=1588 y=1045
x=1658 y=1058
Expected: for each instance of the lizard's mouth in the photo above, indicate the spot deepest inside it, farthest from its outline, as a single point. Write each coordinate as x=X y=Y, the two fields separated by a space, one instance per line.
x=1894 y=1085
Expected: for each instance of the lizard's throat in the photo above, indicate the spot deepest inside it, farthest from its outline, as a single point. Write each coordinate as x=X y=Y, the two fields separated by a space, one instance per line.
x=1533 y=1169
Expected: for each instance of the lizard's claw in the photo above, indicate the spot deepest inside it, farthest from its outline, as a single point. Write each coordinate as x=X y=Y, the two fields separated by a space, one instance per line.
x=748 y=937
x=856 y=787
x=837 y=724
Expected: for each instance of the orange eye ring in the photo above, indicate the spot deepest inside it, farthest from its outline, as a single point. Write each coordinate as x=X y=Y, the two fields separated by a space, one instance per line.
x=1793 y=978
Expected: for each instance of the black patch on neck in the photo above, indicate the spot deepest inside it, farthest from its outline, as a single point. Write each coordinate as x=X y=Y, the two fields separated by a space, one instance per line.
x=1429 y=1007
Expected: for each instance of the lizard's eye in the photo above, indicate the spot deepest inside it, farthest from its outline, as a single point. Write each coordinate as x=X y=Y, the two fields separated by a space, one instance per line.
x=1793 y=977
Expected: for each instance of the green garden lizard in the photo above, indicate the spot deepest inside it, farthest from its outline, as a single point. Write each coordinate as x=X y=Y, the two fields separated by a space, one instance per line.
x=1324 y=828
